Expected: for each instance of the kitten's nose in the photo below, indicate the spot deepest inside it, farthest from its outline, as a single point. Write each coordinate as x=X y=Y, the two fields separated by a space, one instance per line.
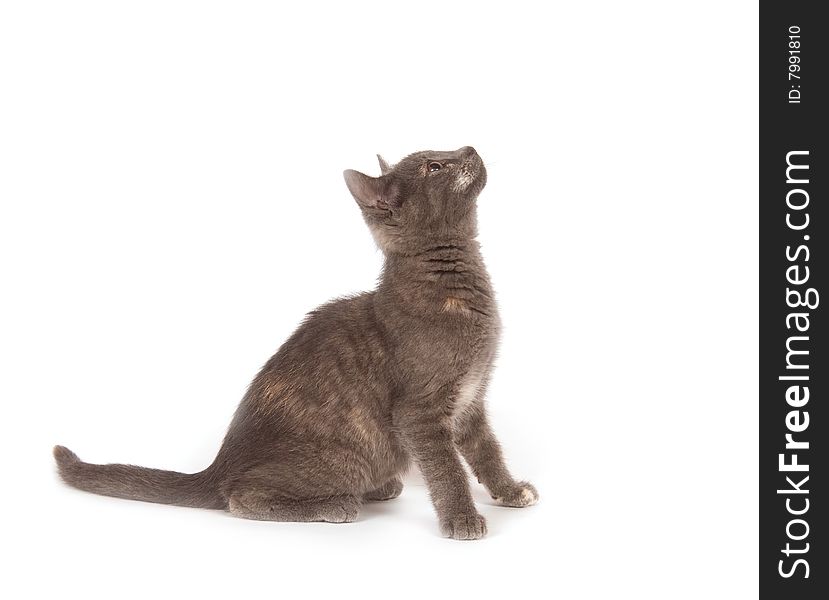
x=467 y=151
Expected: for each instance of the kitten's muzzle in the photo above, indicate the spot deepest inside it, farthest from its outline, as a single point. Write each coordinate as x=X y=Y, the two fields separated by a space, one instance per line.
x=472 y=164
x=470 y=170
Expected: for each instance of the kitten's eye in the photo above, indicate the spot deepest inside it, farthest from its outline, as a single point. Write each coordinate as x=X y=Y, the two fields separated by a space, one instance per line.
x=435 y=166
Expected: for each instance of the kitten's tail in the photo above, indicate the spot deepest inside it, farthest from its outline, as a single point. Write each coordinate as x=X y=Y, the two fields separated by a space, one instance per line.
x=199 y=490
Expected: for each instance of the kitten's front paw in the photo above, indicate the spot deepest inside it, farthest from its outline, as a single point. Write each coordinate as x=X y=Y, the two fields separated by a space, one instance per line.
x=519 y=495
x=470 y=526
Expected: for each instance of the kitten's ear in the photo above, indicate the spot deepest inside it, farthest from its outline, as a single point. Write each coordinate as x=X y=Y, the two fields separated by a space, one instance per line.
x=370 y=192
x=384 y=166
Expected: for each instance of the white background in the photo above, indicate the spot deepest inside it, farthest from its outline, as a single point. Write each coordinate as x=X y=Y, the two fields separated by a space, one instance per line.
x=172 y=205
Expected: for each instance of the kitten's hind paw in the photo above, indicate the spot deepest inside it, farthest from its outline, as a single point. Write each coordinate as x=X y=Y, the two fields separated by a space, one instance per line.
x=388 y=491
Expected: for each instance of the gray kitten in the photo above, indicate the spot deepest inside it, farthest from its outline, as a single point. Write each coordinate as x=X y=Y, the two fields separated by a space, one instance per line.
x=366 y=383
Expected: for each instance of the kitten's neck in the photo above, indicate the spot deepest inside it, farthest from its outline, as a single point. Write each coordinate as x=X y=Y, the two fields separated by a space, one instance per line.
x=441 y=274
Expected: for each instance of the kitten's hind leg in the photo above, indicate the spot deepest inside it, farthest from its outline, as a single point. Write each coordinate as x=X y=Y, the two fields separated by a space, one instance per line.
x=265 y=505
x=389 y=490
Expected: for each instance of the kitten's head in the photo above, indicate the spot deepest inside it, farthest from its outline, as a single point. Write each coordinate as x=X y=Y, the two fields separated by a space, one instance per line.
x=426 y=196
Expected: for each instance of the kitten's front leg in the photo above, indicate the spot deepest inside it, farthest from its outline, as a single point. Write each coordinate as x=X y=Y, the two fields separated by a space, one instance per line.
x=481 y=449
x=429 y=440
